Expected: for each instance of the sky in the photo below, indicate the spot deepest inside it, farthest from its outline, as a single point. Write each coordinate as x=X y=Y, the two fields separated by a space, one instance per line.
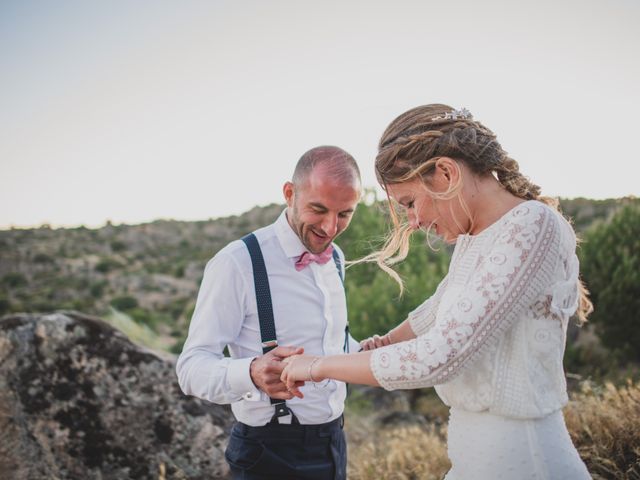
x=131 y=111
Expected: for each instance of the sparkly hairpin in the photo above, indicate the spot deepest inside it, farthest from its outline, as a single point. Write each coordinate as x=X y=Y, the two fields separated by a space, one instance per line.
x=462 y=114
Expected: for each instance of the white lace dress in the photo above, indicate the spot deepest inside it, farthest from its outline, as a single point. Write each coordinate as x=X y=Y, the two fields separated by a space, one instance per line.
x=491 y=341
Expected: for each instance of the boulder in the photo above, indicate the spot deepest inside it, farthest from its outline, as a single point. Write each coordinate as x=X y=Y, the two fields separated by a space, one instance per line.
x=78 y=400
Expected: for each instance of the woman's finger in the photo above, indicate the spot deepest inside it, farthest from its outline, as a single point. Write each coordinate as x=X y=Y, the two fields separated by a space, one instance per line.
x=367 y=344
x=292 y=387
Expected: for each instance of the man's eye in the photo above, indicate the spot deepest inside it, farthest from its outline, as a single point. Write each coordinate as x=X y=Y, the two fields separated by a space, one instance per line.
x=410 y=204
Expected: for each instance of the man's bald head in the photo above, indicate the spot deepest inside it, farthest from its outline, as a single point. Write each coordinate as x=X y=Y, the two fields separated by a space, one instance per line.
x=335 y=164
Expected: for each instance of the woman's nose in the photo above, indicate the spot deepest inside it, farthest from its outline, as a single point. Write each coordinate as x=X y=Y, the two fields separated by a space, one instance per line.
x=413 y=221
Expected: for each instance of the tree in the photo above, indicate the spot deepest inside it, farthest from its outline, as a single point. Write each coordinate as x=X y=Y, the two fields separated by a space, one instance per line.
x=610 y=259
x=373 y=297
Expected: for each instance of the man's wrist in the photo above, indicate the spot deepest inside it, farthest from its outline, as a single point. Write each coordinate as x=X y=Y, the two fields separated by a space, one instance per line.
x=251 y=367
x=240 y=380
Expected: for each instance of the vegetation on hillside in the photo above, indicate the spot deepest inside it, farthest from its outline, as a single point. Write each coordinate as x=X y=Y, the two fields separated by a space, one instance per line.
x=144 y=279
x=151 y=272
x=610 y=259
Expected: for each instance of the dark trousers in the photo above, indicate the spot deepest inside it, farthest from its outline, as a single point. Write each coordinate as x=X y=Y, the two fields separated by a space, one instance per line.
x=281 y=451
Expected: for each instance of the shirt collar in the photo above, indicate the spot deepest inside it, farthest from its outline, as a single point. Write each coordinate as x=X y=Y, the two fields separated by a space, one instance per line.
x=289 y=240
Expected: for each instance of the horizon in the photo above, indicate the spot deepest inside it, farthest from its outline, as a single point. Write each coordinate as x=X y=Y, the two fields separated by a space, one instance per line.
x=140 y=111
x=109 y=222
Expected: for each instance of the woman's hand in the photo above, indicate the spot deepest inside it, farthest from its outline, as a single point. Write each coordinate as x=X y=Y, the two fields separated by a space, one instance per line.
x=299 y=369
x=376 y=341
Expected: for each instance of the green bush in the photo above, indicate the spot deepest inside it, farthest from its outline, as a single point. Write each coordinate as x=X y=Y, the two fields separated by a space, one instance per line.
x=14 y=279
x=610 y=258
x=5 y=306
x=107 y=265
x=118 y=246
x=373 y=297
x=42 y=258
x=97 y=289
x=124 y=303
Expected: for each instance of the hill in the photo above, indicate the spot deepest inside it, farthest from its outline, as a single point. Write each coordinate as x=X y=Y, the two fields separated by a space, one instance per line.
x=151 y=272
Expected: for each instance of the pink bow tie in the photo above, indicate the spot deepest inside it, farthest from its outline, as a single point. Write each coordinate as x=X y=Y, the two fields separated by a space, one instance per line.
x=306 y=258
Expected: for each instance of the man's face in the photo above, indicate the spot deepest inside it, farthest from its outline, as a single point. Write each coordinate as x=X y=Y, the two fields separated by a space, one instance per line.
x=320 y=209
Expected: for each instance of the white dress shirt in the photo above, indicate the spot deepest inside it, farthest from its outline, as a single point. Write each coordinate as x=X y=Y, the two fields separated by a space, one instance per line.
x=310 y=311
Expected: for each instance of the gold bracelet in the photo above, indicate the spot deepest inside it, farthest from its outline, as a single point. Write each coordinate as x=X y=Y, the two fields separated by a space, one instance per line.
x=310 y=367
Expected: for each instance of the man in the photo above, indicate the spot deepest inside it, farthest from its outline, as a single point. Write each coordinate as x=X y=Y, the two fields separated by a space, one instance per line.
x=276 y=435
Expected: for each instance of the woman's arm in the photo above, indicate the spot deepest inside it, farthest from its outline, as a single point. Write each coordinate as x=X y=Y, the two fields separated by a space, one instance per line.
x=350 y=368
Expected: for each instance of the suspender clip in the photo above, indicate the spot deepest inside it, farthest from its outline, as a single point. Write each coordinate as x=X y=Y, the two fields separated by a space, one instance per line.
x=270 y=345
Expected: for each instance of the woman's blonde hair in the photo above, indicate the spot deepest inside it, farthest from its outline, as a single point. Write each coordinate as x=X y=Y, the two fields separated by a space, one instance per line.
x=410 y=147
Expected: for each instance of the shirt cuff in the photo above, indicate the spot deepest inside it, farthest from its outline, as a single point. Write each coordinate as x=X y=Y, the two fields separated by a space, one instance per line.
x=240 y=381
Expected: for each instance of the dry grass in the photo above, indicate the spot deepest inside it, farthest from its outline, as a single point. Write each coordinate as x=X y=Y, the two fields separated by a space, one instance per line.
x=604 y=424
x=400 y=453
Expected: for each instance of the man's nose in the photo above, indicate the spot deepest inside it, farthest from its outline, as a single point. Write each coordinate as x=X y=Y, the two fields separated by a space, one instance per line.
x=330 y=225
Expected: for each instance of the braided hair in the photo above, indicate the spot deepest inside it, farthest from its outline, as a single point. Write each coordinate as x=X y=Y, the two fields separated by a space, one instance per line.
x=410 y=147
x=416 y=139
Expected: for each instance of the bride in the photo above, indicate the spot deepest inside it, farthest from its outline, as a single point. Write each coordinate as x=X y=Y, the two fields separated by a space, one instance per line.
x=491 y=339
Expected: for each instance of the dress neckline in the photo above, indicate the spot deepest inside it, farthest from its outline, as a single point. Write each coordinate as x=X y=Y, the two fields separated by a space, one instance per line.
x=468 y=237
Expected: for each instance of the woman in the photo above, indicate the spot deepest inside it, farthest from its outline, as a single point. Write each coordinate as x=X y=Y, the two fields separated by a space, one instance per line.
x=491 y=338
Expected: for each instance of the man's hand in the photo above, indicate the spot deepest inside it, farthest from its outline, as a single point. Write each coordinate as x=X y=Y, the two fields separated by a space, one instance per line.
x=265 y=372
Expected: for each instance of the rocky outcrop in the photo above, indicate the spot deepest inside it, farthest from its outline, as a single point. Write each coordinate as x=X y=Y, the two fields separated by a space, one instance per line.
x=78 y=400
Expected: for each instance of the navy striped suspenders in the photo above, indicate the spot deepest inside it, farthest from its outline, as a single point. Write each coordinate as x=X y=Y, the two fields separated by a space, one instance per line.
x=265 y=307
x=336 y=259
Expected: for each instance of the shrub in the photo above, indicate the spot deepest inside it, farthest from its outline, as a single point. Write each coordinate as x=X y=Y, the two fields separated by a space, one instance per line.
x=97 y=289
x=118 y=246
x=374 y=301
x=124 y=303
x=5 y=306
x=610 y=258
x=107 y=264
x=14 y=279
x=42 y=258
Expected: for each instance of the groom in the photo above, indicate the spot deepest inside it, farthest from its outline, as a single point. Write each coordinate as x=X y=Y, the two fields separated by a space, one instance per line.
x=281 y=285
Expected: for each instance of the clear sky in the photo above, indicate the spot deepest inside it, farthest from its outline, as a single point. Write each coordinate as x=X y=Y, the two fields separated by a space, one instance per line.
x=138 y=110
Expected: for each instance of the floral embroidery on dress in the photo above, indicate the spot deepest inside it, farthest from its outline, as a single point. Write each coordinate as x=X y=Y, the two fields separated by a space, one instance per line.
x=499 y=277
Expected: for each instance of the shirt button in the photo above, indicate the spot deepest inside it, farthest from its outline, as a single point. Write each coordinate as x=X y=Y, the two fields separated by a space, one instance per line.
x=248 y=396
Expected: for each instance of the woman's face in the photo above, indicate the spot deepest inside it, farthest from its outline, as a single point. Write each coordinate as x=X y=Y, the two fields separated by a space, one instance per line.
x=425 y=211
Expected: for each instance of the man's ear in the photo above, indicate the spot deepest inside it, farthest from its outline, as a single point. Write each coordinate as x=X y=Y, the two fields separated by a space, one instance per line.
x=288 y=191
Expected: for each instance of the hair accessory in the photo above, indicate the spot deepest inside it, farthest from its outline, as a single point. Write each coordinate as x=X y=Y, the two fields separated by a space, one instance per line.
x=462 y=114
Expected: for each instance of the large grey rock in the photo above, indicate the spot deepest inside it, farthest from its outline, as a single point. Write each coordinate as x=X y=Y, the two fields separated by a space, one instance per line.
x=78 y=400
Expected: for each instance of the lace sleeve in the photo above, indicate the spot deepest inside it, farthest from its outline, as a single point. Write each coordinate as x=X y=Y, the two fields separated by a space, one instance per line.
x=519 y=265
x=422 y=318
